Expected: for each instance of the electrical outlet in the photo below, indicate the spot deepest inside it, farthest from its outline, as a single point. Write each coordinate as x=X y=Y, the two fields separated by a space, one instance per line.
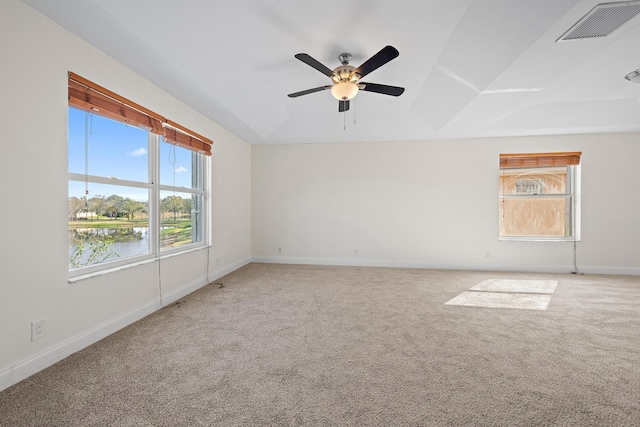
x=279 y=249
x=355 y=252
x=218 y=260
x=38 y=329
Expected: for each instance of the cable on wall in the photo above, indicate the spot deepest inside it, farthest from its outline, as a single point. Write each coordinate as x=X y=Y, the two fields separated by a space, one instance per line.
x=208 y=258
x=160 y=282
x=575 y=242
x=575 y=262
x=88 y=130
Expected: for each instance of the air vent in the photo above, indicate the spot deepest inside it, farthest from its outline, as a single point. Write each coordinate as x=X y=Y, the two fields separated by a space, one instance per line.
x=603 y=20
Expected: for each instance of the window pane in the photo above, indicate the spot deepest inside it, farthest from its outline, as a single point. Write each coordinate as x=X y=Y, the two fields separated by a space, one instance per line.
x=536 y=216
x=533 y=181
x=179 y=167
x=181 y=219
x=114 y=149
x=111 y=223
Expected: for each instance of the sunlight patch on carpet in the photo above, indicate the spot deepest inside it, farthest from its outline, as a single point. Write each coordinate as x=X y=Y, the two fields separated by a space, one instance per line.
x=501 y=300
x=508 y=293
x=518 y=286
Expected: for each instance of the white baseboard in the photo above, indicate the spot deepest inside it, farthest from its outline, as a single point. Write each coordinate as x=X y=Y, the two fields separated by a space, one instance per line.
x=215 y=275
x=353 y=262
x=27 y=368
x=596 y=269
x=6 y=379
x=192 y=287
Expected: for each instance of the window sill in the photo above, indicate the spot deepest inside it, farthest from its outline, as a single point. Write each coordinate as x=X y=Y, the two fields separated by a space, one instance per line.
x=538 y=239
x=81 y=277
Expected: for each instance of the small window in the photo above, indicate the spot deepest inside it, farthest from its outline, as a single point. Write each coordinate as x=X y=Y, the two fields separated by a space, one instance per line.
x=539 y=196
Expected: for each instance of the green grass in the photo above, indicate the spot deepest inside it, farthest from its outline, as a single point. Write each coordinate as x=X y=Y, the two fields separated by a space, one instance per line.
x=109 y=223
x=179 y=234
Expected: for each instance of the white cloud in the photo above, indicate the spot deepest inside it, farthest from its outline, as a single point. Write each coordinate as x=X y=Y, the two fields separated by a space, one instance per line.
x=181 y=169
x=138 y=152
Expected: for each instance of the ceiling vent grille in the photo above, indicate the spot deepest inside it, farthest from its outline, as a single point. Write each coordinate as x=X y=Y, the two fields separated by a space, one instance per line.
x=602 y=20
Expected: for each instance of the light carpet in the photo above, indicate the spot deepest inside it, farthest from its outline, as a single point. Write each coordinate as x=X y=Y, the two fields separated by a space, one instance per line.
x=292 y=345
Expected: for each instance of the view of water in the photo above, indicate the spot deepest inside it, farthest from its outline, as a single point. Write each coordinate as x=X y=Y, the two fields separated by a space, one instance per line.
x=127 y=242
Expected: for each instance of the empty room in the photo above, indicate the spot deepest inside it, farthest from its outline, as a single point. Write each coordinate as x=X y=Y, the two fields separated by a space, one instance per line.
x=411 y=213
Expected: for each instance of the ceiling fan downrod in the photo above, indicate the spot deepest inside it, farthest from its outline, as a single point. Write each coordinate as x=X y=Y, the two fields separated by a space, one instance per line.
x=344 y=58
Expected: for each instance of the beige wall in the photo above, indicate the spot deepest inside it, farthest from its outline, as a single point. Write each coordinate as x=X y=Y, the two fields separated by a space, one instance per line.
x=36 y=56
x=435 y=204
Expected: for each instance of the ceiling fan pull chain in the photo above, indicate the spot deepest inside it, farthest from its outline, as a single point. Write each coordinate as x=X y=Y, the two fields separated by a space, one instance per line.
x=344 y=120
x=354 y=111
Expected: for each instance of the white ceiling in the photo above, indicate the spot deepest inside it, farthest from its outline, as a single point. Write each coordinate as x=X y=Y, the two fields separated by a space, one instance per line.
x=471 y=68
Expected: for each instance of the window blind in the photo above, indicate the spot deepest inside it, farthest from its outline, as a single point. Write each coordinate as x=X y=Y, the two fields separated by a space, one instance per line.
x=88 y=96
x=539 y=160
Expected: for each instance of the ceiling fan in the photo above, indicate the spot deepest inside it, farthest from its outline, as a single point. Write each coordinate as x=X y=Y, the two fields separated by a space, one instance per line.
x=346 y=78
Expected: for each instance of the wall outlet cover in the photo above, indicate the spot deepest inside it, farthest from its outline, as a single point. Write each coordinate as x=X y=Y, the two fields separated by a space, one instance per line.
x=38 y=329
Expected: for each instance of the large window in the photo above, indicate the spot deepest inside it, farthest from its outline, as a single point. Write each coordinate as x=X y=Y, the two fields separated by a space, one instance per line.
x=135 y=189
x=539 y=196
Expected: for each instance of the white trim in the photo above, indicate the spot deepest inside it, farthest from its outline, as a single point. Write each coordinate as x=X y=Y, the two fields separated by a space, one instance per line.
x=599 y=269
x=111 y=180
x=149 y=258
x=80 y=277
x=25 y=369
x=351 y=262
x=29 y=367
x=537 y=239
x=194 y=286
x=6 y=379
x=215 y=275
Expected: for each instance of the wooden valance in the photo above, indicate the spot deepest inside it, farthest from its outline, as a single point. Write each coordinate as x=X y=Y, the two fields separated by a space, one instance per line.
x=539 y=160
x=88 y=96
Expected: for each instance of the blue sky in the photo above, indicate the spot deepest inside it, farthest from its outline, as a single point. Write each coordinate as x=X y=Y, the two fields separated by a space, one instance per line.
x=120 y=151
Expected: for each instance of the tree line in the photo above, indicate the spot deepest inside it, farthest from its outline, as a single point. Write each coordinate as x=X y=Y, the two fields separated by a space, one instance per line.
x=116 y=206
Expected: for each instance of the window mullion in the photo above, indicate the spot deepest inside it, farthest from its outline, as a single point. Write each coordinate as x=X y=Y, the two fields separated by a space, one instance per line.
x=108 y=180
x=154 y=197
x=535 y=196
x=181 y=189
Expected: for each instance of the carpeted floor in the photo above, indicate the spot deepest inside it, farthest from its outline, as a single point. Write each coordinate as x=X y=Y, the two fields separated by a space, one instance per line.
x=350 y=346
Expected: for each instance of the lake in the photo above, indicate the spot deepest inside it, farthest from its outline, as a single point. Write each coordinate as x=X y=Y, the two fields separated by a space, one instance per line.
x=127 y=242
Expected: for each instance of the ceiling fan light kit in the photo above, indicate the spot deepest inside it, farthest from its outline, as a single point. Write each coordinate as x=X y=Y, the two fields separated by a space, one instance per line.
x=346 y=78
x=344 y=91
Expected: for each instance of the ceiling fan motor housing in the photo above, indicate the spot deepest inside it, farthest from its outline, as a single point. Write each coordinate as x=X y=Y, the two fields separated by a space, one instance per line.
x=345 y=73
x=345 y=80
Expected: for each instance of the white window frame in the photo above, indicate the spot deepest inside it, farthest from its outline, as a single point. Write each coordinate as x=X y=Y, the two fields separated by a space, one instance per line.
x=573 y=196
x=154 y=188
x=203 y=164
